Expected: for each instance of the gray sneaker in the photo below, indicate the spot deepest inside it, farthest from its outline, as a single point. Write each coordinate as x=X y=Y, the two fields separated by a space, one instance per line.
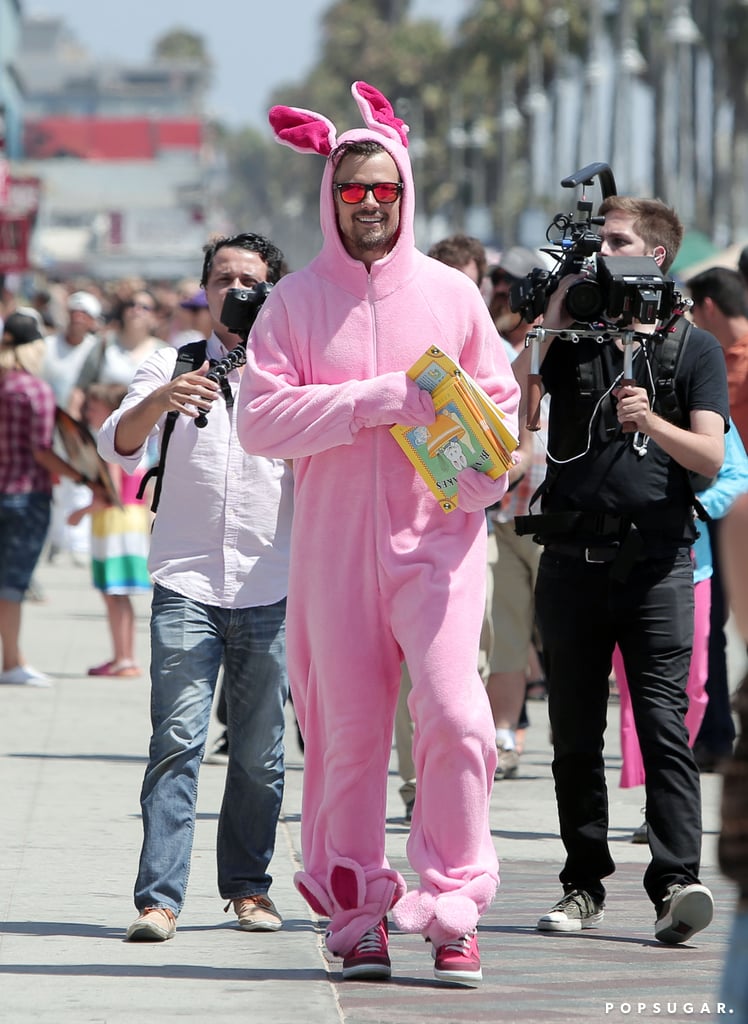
x=573 y=912
x=685 y=910
x=507 y=766
x=641 y=835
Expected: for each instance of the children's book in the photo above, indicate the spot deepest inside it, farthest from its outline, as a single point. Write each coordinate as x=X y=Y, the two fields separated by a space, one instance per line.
x=469 y=429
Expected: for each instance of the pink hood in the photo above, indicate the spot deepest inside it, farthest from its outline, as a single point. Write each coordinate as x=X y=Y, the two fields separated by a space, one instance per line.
x=309 y=132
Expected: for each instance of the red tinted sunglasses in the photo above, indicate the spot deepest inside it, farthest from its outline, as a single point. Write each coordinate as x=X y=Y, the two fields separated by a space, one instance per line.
x=352 y=192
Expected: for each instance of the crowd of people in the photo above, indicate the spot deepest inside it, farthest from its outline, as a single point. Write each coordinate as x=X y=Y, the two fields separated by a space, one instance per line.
x=580 y=558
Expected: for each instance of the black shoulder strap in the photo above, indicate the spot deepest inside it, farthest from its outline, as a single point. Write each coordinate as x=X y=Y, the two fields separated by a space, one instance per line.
x=669 y=353
x=190 y=357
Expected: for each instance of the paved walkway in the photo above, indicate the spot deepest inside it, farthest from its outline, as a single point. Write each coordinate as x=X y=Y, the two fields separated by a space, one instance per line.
x=71 y=762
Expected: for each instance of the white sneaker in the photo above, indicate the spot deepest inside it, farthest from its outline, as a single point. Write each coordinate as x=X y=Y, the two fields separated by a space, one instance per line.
x=573 y=912
x=685 y=910
x=24 y=675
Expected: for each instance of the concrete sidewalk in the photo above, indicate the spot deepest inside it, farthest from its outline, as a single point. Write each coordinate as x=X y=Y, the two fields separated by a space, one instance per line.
x=71 y=764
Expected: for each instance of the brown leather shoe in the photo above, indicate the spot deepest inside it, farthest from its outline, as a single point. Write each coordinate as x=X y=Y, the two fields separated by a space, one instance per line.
x=256 y=913
x=155 y=924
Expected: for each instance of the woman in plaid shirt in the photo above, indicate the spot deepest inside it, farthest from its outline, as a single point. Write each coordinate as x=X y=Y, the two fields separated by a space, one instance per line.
x=27 y=419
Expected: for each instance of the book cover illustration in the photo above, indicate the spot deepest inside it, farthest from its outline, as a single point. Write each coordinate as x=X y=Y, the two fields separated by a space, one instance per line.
x=463 y=434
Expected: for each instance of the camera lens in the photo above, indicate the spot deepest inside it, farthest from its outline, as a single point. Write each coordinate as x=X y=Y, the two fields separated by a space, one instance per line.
x=584 y=301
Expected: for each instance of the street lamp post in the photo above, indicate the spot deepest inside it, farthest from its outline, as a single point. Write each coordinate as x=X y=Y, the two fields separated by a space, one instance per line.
x=589 y=144
x=682 y=35
x=509 y=122
x=626 y=112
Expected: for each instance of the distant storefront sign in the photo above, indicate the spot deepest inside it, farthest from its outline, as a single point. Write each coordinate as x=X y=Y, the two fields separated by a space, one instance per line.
x=17 y=218
x=14 y=243
x=23 y=194
x=4 y=179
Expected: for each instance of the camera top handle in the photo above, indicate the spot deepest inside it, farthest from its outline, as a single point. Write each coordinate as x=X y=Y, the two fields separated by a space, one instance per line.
x=578 y=243
x=586 y=175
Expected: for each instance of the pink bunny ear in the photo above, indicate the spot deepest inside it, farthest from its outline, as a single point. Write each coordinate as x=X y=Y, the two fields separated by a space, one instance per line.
x=303 y=130
x=377 y=112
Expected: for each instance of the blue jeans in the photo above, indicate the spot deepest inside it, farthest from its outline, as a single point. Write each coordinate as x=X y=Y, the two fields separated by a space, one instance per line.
x=24 y=521
x=189 y=642
x=734 y=989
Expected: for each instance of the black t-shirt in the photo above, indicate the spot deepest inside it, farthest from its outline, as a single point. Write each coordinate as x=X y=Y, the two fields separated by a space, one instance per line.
x=600 y=469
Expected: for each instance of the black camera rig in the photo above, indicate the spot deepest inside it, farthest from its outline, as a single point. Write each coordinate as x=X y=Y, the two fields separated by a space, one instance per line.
x=238 y=313
x=610 y=295
x=241 y=306
x=614 y=290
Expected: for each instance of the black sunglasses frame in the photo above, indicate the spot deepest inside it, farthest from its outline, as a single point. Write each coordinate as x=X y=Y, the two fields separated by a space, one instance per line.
x=369 y=187
x=499 y=276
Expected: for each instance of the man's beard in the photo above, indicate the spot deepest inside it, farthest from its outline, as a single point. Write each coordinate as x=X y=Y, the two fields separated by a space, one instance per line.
x=506 y=321
x=375 y=237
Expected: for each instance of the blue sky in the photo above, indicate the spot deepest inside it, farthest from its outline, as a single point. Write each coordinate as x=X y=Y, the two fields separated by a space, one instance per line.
x=253 y=51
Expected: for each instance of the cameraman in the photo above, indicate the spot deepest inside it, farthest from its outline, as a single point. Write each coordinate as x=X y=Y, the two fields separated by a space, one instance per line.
x=617 y=524
x=219 y=561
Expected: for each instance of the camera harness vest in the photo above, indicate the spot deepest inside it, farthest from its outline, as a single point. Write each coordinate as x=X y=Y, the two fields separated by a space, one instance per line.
x=671 y=341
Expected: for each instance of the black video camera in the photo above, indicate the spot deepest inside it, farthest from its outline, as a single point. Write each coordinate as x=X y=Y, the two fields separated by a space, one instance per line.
x=615 y=288
x=622 y=289
x=241 y=306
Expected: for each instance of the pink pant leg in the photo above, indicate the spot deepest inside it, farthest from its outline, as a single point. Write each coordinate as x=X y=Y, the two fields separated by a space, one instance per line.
x=632 y=765
x=346 y=639
x=698 y=698
x=344 y=668
x=454 y=751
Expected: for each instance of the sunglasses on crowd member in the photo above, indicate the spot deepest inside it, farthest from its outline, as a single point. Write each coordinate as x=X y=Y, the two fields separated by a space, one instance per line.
x=501 y=276
x=140 y=305
x=353 y=192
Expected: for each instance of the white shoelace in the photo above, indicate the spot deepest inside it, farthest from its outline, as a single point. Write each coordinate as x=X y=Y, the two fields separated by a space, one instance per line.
x=461 y=945
x=370 y=942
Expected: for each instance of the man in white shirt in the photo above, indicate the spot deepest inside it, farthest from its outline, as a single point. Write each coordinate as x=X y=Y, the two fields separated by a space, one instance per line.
x=66 y=353
x=219 y=562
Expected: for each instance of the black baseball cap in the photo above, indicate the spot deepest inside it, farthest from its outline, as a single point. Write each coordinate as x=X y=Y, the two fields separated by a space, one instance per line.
x=20 y=330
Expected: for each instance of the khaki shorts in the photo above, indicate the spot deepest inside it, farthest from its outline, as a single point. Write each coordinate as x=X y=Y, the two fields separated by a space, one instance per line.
x=512 y=608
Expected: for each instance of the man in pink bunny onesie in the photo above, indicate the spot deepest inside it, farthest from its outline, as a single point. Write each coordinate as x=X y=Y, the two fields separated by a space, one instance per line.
x=379 y=573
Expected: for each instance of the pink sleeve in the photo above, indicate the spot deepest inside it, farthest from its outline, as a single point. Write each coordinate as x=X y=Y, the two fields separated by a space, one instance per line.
x=280 y=417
